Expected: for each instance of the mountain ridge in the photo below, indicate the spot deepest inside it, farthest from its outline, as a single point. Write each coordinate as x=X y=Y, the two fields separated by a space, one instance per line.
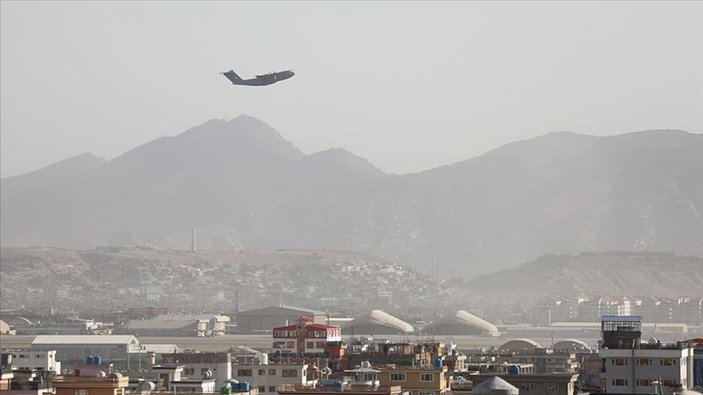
x=245 y=187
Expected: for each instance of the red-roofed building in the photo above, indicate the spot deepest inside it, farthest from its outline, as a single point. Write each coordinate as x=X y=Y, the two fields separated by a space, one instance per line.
x=305 y=337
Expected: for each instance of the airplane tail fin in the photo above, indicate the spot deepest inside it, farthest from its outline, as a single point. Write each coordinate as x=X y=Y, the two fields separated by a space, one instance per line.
x=232 y=76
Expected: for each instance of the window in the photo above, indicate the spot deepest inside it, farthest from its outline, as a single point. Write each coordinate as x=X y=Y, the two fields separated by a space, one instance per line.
x=262 y=372
x=272 y=388
x=425 y=393
x=619 y=382
x=619 y=361
x=244 y=372
x=310 y=344
x=262 y=388
x=550 y=387
x=427 y=377
x=669 y=383
x=272 y=372
x=644 y=361
x=289 y=373
x=188 y=371
x=644 y=382
x=80 y=392
x=38 y=355
x=398 y=377
x=668 y=362
x=527 y=386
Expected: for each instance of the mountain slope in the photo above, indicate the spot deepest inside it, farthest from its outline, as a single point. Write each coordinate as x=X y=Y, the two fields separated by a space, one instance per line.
x=605 y=273
x=243 y=186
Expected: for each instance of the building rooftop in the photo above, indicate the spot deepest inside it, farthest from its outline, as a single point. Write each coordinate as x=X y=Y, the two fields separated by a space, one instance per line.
x=465 y=319
x=305 y=389
x=381 y=318
x=85 y=339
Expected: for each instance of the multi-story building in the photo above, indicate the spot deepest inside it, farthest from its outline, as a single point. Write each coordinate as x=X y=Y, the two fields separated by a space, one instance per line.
x=545 y=360
x=197 y=365
x=632 y=367
x=169 y=379
x=34 y=359
x=305 y=337
x=346 y=389
x=265 y=378
x=262 y=320
x=386 y=353
x=87 y=385
x=360 y=381
x=416 y=381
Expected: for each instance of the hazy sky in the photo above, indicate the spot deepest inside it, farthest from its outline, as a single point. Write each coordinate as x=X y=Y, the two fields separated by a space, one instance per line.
x=408 y=86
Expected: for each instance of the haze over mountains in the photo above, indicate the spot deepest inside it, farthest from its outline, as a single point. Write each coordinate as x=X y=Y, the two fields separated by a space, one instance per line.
x=245 y=187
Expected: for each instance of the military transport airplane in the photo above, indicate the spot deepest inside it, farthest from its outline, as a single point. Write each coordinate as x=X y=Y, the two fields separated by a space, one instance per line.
x=260 y=80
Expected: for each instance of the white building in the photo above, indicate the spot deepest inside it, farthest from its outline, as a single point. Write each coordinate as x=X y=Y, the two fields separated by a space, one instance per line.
x=197 y=365
x=637 y=371
x=34 y=359
x=265 y=378
x=77 y=347
x=632 y=367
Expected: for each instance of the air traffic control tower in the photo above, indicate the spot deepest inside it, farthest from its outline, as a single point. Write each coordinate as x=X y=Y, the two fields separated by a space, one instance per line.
x=621 y=332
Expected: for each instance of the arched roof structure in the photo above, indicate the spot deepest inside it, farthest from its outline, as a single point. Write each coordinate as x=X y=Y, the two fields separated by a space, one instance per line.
x=377 y=322
x=571 y=345
x=517 y=345
x=461 y=323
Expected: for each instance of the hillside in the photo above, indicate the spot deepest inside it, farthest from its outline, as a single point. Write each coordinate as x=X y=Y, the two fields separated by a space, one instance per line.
x=108 y=279
x=243 y=186
x=601 y=273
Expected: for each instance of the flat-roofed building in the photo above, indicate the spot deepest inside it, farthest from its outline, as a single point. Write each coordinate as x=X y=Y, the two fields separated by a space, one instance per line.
x=34 y=359
x=86 y=385
x=346 y=389
x=305 y=337
x=416 y=381
x=71 y=348
x=196 y=365
x=265 y=378
x=632 y=367
x=177 y=325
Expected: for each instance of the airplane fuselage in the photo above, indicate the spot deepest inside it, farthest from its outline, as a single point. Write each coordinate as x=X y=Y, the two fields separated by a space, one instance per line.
x=259 y=80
